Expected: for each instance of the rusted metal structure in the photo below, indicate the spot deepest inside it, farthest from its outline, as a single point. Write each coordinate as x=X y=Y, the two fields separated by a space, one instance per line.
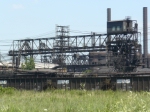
x=132 y=82
x=76 y=46
x=73 y=52
x=99 y=61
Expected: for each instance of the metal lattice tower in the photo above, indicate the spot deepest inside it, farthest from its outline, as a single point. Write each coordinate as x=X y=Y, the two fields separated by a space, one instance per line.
x=61 y=43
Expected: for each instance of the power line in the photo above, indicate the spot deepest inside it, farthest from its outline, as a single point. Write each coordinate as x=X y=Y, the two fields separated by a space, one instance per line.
x=41 y=35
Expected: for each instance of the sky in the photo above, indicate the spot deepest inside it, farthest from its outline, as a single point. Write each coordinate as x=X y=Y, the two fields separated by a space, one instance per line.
x=20 y=19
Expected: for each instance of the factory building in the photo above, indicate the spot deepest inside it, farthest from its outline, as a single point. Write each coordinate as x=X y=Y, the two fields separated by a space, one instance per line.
x=99 y=61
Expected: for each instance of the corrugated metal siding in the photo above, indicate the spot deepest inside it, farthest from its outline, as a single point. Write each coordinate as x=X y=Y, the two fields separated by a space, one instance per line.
x=136 y=83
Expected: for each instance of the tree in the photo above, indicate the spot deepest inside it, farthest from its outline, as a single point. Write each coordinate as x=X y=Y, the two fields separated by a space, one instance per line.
x=29 y=64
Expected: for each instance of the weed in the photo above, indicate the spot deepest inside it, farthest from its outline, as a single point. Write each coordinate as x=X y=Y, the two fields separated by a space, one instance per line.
x=73 y=101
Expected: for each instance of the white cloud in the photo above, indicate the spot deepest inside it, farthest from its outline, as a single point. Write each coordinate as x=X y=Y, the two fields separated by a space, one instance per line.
x=17 y=6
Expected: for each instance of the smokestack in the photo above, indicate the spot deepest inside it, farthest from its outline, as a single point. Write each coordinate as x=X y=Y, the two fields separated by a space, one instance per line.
x=109 y=37
x=109 y=19
x=108 y=14
x=145 y=34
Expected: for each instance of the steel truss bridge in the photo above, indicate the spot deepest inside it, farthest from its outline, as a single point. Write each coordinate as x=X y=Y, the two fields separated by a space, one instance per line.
x=72 y=52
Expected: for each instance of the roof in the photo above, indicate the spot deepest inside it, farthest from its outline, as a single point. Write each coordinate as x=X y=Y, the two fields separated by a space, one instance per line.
x=37 y=65
x=118 y=20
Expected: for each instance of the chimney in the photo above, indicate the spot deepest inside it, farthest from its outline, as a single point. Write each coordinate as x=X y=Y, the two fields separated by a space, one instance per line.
x=109 y=19
x=108 y=14
x=145 y=36
x=109 y=37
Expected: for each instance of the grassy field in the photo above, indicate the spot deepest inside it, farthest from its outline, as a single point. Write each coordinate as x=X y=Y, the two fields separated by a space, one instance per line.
x=73 y=101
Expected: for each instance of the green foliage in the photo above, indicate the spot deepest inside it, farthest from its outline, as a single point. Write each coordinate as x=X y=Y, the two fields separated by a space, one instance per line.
x=48 y=86
x=75 y=101
x=7 y=90
x=29 y=64
x=82 y=86
x=87 y=71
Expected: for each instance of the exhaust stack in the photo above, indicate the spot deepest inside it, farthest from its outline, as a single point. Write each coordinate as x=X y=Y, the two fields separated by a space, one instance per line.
x=145 y=36
x=109 y=19
x=108 y=14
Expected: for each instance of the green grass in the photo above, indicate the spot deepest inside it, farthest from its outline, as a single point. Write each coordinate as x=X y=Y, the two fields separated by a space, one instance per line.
x=74 y=101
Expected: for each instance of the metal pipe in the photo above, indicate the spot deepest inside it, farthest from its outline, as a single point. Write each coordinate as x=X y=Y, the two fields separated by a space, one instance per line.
x=145 y=36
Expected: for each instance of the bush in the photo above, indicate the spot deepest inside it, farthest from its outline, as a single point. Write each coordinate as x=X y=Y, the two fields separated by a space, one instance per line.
x=7 y=90
x=29 y=64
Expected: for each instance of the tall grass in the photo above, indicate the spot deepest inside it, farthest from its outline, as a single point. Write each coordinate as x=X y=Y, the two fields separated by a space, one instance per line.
x=75 y=101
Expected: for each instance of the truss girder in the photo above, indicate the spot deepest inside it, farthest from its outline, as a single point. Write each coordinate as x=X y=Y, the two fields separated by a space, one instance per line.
x=83 y=43
x=123 y=48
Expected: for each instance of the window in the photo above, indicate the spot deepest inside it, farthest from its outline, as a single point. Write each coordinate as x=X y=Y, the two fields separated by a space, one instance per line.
x=118 y=28
x=123 y=81
x=3 y=81
x=113 y=28
x=63 y=84
x=62 y=81
x=124 y=27
x=124 y=84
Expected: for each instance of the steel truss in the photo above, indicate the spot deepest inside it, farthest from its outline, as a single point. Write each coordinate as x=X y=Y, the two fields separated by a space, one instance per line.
x=75 y=48
x=122 y=50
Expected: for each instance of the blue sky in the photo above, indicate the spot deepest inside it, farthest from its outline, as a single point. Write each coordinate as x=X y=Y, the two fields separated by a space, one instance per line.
x=30 y=18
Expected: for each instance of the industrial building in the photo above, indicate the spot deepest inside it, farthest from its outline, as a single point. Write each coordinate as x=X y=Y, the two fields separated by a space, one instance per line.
x=99 y=61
